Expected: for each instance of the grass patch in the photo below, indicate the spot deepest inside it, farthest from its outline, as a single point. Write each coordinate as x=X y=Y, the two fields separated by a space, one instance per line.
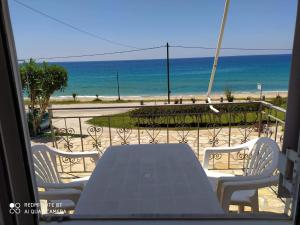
x=125 y=120
x=174 y=117
x=116 y=121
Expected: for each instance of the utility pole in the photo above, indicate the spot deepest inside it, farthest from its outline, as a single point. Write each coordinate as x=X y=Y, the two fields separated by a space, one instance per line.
x=119 y=98
x=168 y=73
x=214 y=69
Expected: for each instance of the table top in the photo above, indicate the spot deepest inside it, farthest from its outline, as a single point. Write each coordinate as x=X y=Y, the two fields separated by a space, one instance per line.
x=148 y=179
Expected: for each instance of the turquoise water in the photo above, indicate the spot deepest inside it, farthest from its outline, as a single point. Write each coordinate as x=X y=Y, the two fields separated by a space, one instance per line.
x=187 y=76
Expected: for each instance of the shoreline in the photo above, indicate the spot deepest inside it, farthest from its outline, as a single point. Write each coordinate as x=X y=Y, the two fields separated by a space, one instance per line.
x=201 y=96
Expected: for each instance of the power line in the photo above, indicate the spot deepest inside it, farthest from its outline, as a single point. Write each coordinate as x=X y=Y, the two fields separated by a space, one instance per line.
x=233 y=48
x=95 y=54
x=151 y=48
x=73 y=27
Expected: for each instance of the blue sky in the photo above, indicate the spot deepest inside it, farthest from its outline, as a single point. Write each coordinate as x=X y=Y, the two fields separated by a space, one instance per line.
x=144 y=23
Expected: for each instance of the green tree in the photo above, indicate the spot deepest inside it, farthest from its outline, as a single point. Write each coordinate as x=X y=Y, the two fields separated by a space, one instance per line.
x=40 y=81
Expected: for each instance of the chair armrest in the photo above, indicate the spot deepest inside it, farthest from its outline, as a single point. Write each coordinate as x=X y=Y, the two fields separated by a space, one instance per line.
x=236 y=179
x=73 y=185
x=92 y=154
x=215 y=150
x=66 y=194
x=219 y=150
x=227 y=188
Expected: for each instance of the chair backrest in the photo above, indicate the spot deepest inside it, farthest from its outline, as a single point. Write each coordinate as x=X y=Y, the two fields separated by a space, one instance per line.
x=45 y=165
x=263 y=158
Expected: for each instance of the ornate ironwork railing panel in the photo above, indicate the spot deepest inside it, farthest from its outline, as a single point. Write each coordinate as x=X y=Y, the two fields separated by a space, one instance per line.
x=195 y=125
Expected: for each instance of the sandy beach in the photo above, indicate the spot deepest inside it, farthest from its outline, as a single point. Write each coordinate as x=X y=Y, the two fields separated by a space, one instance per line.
x=214 y=96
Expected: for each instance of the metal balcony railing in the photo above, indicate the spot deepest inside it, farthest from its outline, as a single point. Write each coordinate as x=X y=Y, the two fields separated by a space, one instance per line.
x=96 y=128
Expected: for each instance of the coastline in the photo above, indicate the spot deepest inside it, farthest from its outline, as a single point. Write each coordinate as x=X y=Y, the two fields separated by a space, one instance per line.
x=201 y=96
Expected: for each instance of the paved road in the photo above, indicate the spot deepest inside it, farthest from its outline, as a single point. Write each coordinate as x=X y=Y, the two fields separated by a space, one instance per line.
x=81 y=111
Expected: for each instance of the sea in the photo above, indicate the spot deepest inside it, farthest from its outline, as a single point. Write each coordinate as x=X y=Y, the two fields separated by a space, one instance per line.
x=188 y=76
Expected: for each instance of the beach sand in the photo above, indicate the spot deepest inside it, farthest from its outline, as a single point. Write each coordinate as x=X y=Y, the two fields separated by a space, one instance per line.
x=214 y=96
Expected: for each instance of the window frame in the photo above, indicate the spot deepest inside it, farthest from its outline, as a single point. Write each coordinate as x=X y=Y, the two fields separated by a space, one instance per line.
x=15 y=165
x=15 y=158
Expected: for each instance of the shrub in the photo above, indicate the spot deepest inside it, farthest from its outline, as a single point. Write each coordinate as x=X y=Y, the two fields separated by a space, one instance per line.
x=228 y=94
x=173 y=115
x=193 y=100
x=74 y=95
x=278 y=101
x=97 y=99
x=158 y=111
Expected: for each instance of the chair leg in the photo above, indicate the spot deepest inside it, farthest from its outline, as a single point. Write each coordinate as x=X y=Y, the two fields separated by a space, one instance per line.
x=255 y=206
x=241 y=208
x=254 y=203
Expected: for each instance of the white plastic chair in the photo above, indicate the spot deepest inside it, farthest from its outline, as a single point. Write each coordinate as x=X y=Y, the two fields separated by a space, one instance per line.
x=258 y=173
x=48 y=177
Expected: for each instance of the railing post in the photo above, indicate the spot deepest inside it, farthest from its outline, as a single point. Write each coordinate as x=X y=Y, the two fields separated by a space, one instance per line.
x=82 y=148
x=260 y=119
x=54 y=144
x=276 y=127
x=80 y=130
x=168 y=140
x=109 y=129
x=198 y=136
x=229 y=129
x=139 y=135
x=229 y=137
x=245 y=130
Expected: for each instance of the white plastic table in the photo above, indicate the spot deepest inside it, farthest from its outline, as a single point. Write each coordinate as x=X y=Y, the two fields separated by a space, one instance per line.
x=160 y=179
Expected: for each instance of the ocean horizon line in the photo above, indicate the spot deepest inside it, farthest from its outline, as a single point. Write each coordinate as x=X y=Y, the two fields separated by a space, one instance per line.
x=172 y=58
